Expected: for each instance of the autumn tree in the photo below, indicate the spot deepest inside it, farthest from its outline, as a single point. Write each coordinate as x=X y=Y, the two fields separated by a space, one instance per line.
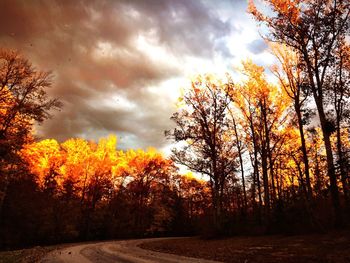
x=194 y=196
x=151 y=177
x=246 y=106
x=77 y=166
x=314 y=29
x=203 y=128
x=23 y=101
x=237 y=135
x=110 y=192
x=338 y=97
x=45 y=161
x=262 y=107
x=293 y=80
x=97 y=180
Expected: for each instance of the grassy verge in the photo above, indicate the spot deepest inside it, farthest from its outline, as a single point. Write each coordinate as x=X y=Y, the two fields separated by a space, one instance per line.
x=30 y=255
x=328 y=248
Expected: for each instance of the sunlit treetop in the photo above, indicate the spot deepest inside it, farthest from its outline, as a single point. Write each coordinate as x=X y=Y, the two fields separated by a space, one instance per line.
x=290 y=7
x=44 y=158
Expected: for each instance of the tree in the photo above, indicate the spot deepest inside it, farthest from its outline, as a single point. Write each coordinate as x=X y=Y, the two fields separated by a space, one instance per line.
x=151 y=177
x=262 y=107
x=314 y=29
x=78 y=166
x=292 y=79
x=23 y=101
x=45 y=161
x=339 y=95
x=194 y=196
x=98 y=182
x=203 y=128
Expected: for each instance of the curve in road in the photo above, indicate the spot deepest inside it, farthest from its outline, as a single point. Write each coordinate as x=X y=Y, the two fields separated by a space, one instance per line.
x=125 y=251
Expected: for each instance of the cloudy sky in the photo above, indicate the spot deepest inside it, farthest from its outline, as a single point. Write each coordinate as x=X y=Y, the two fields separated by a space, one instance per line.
x=119 y=65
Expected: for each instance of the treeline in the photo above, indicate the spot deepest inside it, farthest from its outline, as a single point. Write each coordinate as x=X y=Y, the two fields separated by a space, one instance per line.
x=277 y=153
x=81 y=190
x=53 y=192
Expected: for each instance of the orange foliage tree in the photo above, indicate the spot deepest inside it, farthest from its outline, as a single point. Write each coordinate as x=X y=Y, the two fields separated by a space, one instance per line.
x=45 y=161
x=263 y=110
x=203 y=126
x=96 y=174
x=315 y=29
x=23 y=101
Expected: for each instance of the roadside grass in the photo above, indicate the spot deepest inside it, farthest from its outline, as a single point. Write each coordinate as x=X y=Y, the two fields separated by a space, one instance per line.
x=29 y=255
x=34 y=254
x=325 y=248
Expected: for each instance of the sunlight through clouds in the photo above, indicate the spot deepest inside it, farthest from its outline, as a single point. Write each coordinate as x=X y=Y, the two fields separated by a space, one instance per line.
x=119 y=66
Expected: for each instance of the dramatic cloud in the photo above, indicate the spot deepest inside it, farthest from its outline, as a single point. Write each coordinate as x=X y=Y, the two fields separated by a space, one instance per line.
x=118 y=65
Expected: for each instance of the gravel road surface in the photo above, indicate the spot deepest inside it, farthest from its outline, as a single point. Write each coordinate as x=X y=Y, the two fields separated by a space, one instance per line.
x=125 y=251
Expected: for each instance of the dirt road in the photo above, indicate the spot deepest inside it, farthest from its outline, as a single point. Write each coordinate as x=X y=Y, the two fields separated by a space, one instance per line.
x=126 y=251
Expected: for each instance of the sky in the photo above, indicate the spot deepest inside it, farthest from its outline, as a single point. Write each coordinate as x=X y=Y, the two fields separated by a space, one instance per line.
x=118 y=66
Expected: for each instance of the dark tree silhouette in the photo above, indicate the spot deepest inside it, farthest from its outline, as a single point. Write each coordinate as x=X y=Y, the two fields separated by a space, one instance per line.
x=23 y=101
x=204 y=124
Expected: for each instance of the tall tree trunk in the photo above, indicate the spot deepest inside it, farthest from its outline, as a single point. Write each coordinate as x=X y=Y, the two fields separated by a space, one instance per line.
x=303 y=147
x=264 y=158
x=265 y=178
x=317 y=91
x=330 y=166
x=256 y=166
x=241 y=165
x=272 y=173
x=216 y=208
x=4 y=182
x=342 y=165
x=339 y=91
x=301 y=177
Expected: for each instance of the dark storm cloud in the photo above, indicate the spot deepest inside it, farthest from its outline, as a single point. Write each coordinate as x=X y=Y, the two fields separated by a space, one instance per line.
x=257 y=46
x=90 y=46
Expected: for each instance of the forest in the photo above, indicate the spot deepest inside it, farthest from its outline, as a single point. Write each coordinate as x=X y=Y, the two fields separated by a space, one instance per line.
x=266 y=154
